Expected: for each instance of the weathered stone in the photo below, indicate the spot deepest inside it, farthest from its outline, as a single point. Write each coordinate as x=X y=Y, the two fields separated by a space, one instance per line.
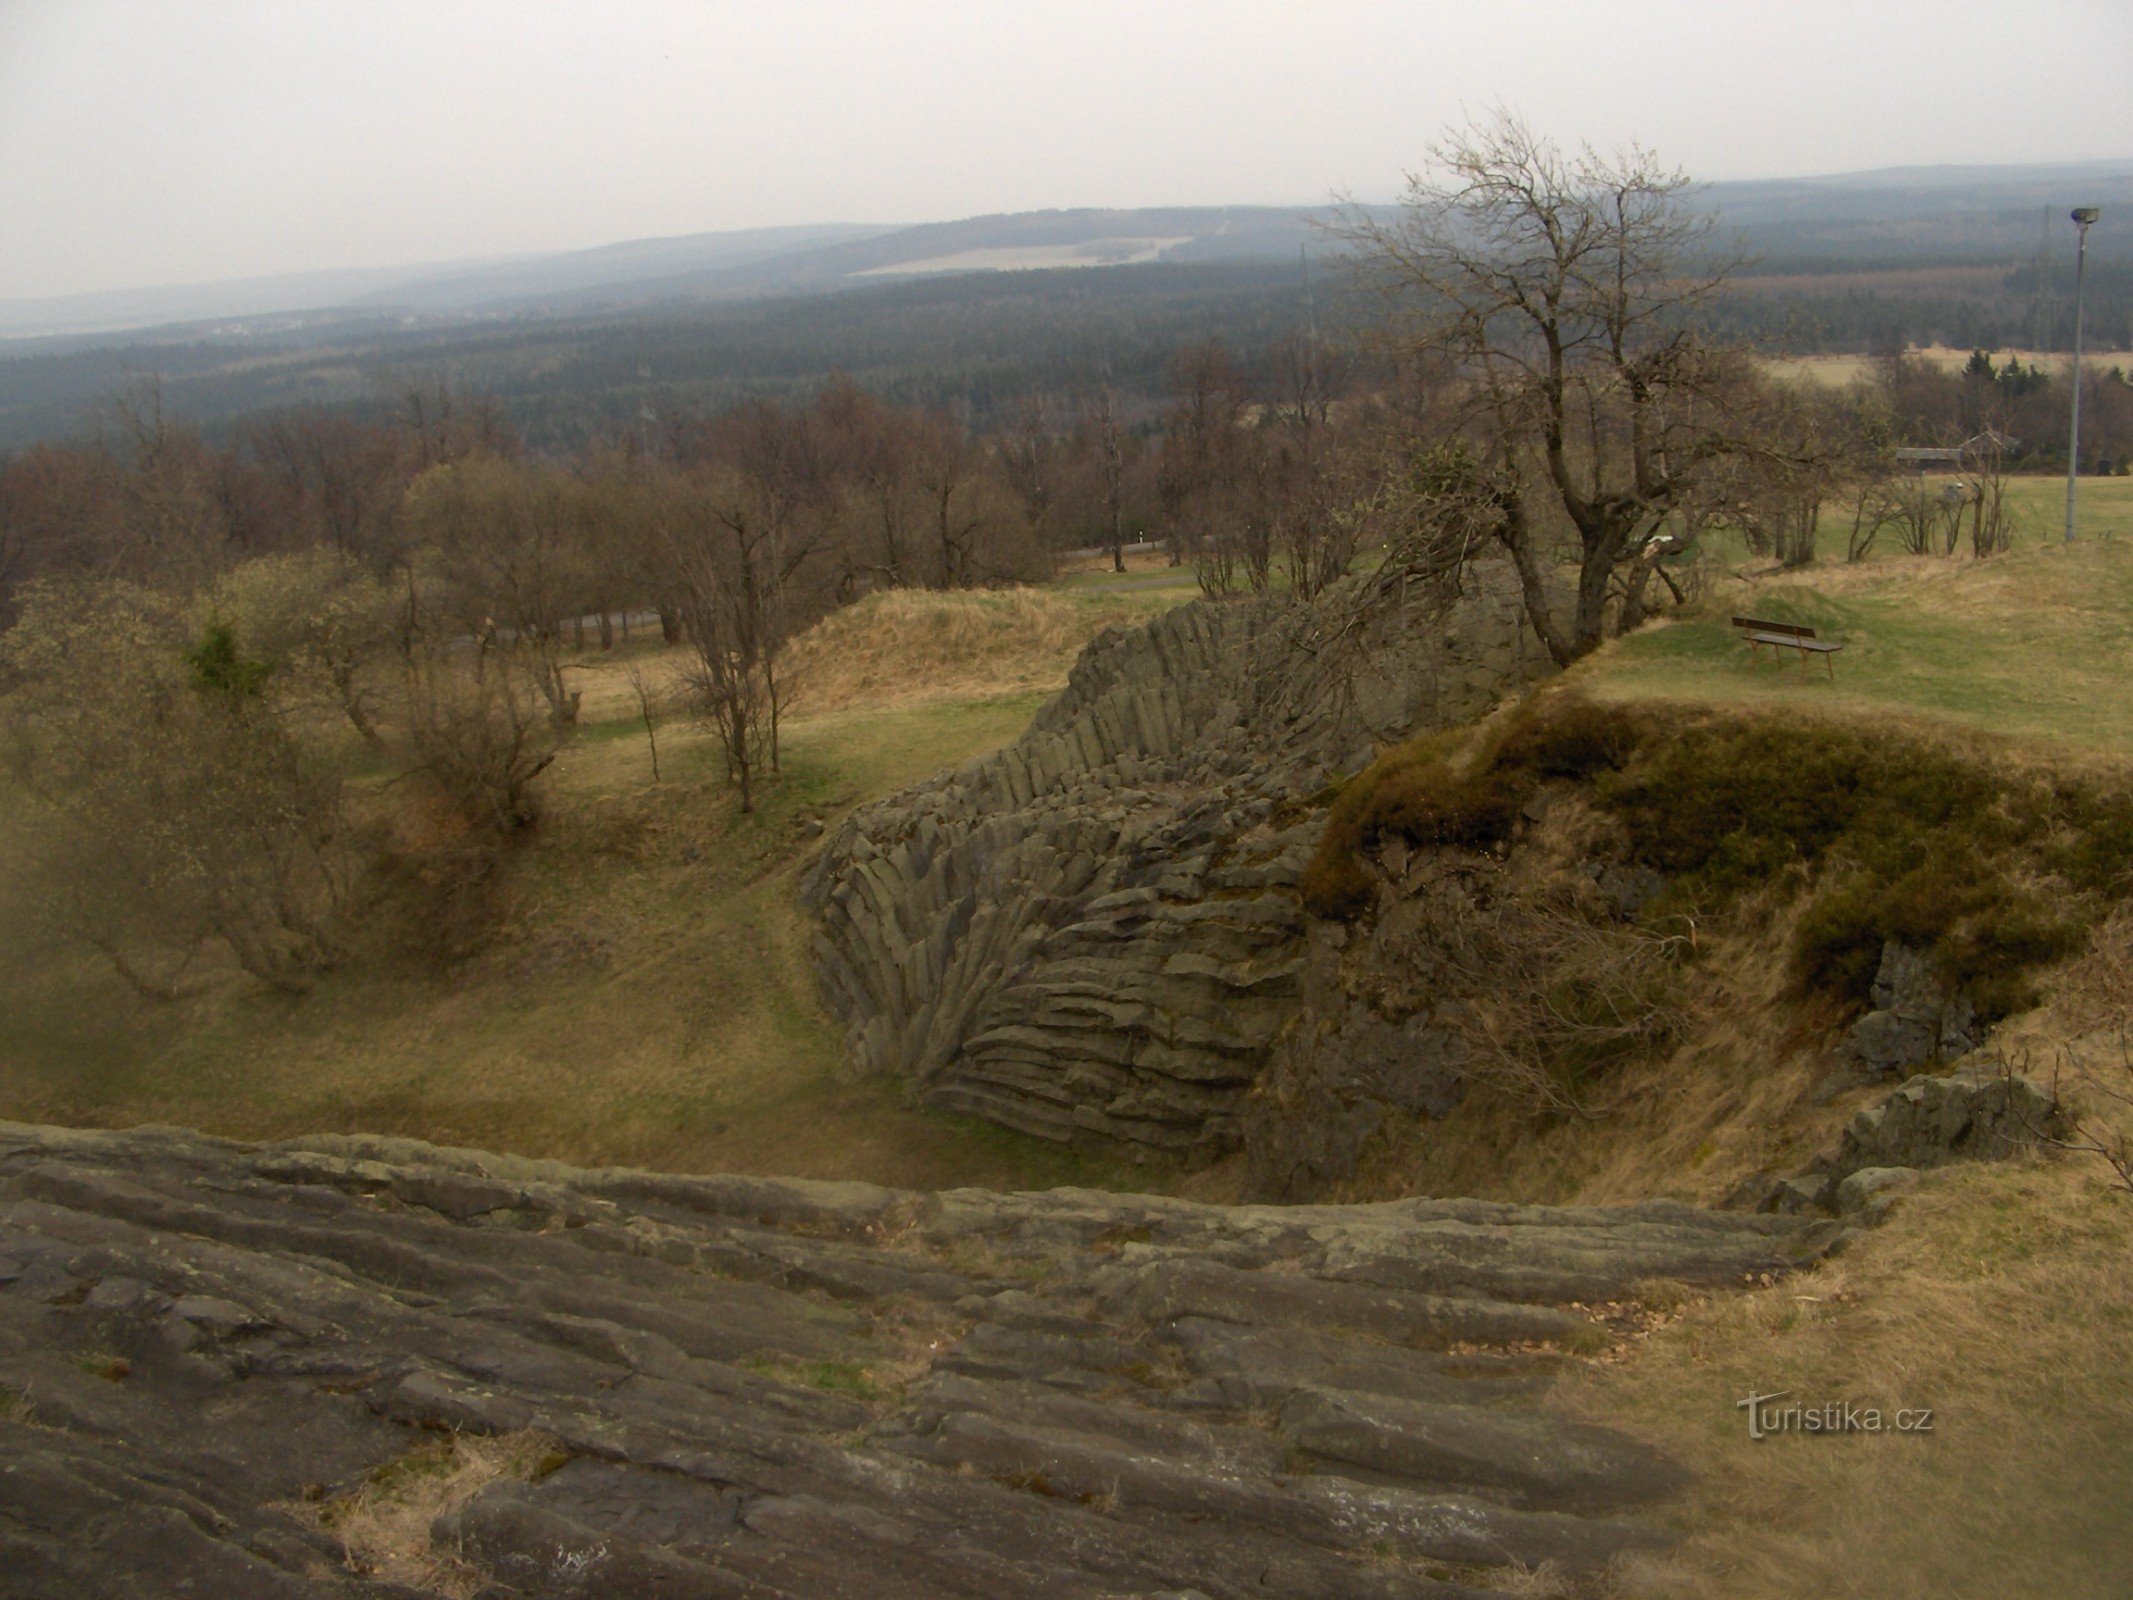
x=1978 y=1112
x=1916 y=1018
x=1125 y=1395
x=1869 y=1188
x=1525 y=1457
x=1116 y=890
x=1333 y=1081
x=1796 y=1196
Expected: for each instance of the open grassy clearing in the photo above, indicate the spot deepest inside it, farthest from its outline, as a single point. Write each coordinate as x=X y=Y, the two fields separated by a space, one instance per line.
x=907 y=646
x=647 y=998
x=2036 y=643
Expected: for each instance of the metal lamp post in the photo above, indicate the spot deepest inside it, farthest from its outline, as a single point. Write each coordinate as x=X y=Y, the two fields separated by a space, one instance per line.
x=2083 y=217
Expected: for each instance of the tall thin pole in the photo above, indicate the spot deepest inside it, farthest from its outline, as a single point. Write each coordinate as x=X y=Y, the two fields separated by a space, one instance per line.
x=2082 y=219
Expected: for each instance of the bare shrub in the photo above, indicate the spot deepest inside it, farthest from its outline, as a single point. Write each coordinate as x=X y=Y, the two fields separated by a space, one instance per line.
x=167 y=773
x=474 y=731
x=2094 y=1108
x=729 y=564
x=1550 y=1002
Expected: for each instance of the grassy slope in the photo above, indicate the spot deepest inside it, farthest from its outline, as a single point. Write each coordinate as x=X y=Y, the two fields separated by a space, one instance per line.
x=649 y=1004
x=649 y=1000
x=1996 y=1295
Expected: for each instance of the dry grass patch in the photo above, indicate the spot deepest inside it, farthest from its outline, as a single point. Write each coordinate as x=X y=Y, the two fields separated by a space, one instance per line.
x=384 y=1524
x=1996 y=1297
x=906 y=645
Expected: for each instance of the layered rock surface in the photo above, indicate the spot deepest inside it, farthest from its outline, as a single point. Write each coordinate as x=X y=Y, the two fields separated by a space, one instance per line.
x=749 y=1388
x=1092 y=935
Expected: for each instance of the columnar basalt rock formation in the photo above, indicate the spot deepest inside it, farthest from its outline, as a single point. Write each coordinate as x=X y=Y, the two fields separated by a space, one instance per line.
x=749 y=1389
x=1092 y=934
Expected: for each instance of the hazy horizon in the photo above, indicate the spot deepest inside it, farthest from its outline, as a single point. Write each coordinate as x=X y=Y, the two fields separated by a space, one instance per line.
x=144 y=147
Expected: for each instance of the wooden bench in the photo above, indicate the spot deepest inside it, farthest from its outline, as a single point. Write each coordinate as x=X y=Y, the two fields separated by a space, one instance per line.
x=1757 y=633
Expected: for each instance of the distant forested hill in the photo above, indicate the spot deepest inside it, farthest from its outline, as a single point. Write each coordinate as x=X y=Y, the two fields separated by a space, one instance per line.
x=969 y=342
x=973 y=315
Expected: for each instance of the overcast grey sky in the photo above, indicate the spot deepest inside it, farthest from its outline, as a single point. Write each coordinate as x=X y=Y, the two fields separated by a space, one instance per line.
x=163 y=141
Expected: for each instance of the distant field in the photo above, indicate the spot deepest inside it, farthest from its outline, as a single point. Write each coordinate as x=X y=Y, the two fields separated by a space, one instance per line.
x=1034 y=258
x=1837 y=370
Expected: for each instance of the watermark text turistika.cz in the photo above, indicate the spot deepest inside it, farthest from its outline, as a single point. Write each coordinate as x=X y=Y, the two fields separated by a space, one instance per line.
x=1770 y=1415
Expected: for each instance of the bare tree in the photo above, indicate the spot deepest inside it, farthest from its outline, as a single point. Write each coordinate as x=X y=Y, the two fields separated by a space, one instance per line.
x=509 y=539
x=1561 y=292
x=475 y=727
x=1205 y=471
x=731 y=571
x=648 y=699
x=1029 y=452
x=1110 y=453
x=339 y=481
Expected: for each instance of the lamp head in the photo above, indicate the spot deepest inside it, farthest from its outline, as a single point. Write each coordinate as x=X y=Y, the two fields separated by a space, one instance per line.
x=2086 y=214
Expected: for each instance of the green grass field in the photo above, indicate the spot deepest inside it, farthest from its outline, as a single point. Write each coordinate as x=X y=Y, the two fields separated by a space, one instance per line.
x=2037 y=643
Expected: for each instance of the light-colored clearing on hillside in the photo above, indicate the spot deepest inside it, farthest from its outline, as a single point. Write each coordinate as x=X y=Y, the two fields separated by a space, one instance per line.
x=1837 y=370
x=1118 y=252
x=907 y=646
x=898 y=649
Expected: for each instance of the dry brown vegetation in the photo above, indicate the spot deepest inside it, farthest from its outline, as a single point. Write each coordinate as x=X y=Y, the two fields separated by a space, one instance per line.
x=1996 y=1297
x=1731 y=1094
x=384 y=1523
x=909 y=645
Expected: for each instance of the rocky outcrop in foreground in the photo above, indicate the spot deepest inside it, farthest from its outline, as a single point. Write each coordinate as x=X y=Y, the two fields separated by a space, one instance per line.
x=735 y=1387
x=1092 y=935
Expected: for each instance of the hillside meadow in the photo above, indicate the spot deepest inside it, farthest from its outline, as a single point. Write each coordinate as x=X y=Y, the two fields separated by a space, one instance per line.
x=645 y=998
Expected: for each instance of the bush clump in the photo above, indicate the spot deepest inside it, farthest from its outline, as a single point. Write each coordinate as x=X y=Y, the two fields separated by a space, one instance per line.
x=1409 y=794
x=1999 y=870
